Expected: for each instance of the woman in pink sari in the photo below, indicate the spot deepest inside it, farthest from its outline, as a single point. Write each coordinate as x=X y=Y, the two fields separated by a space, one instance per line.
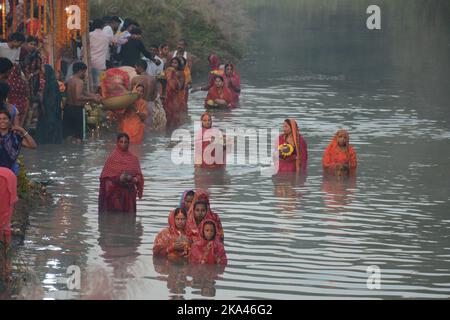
x=208 y=249
x=233 y=81
x=121 y=180
x=292 y=149
x=208 y=158
x=173 y=242
x=8 y=197
x=201 y=210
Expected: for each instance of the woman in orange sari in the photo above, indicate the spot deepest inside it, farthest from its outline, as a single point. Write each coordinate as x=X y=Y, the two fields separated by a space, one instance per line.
x=174 y=101
x=121 y=180
x=220 y=95
x=339 y=155
x=133 y=121
x=292 y=149
x=173 y=242
x=199 y=211
x=208 y=249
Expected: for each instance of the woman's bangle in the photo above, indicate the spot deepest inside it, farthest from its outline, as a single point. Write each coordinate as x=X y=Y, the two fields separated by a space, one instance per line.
x=26 y=133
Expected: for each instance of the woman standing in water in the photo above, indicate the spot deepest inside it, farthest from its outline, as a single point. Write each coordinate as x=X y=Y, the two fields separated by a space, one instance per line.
x=200 y=211
x=173 y=242
x=121 y=180
x=233 y=81
x=220 y=95
x=208 y=249
x=339 y=156
x=292 y=149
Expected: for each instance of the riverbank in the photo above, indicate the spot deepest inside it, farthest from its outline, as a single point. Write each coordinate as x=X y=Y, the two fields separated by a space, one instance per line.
x=208 y=26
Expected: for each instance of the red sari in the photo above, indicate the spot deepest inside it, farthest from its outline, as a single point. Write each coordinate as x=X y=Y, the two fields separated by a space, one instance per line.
x=298 y=160
x=19 y=93
x=334 y=155
x=233 y=82
x=166 y=238
x=208 y=251
x=114 y=196
x=8 y=196
x=221 y=93
x=174 y=101
x=191 y=224
x=202 y=141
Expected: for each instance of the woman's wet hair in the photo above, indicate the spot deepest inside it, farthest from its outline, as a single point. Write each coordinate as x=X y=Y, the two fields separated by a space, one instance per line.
x=209 y=222
x=123 y=135
x=201 y=202
x=182 y=210
x=6 y=113
x=288 y=122
x=218 y=76
x=190 y=193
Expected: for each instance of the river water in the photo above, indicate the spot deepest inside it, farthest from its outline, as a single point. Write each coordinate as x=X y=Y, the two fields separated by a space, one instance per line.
x=285 y=239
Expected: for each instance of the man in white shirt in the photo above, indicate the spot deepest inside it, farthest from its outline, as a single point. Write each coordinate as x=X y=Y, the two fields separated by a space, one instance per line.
x=152 y=68
x=111 y=27
x=11 y=49
x=99 y=44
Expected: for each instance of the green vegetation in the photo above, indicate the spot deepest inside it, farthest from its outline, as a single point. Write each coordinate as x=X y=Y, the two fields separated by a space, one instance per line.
x=208 y=25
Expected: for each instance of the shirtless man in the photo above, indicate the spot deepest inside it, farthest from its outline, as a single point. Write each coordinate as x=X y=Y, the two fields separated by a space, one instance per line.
x=76 y=99
x=144 y=79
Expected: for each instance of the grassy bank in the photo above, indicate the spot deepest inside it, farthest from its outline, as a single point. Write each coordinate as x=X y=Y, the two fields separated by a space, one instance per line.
x=209 y=26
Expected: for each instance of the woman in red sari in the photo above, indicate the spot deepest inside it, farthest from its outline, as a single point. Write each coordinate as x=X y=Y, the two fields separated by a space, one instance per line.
x=206 y=158
x=174 y=101
x=292 y=149
x=339 y=155
x=208 y=249
x=19 y=93
x=173 y=242
x=199 y=211
x=233 y=81
x=220 y=95
x=121 y=180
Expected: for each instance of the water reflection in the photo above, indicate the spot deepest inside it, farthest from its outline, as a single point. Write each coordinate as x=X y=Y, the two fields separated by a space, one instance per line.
x=120 y=237
x=286 y=189
x=181 y=276
x=339 y=191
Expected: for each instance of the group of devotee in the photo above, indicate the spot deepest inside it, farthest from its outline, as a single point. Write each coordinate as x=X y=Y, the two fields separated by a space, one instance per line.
x=31 y=92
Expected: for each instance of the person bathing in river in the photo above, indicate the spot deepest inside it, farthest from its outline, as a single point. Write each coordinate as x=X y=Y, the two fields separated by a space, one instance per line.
x=292 y=149
x=132 y=122
x=5 y=106
x=233 y=81
x=339 y=157
x=199 y=211
x=207 y=157
x=12 y=138
x=174 y=100
x=173 y=242
x=215 y=70
x=8 y=196
x=186 y=199
x=208 y=249
x=121 y=180
x=220 y=95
